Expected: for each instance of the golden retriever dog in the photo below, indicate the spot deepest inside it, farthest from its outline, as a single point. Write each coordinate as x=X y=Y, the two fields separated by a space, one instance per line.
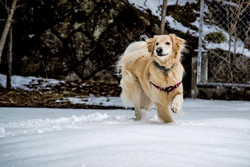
x=152 y=75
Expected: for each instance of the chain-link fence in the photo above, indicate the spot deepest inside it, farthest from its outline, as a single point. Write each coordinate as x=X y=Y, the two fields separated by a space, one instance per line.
x=224 y=44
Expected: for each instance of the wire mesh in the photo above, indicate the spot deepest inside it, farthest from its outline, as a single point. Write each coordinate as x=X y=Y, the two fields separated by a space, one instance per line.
x=226 y=41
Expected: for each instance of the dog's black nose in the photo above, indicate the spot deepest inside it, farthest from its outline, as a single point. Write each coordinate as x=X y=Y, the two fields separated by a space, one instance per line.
x=159 y=50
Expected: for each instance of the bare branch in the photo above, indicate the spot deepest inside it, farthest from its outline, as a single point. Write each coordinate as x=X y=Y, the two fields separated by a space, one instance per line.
x=4 y=6
x=216 y=54
x=21 y=5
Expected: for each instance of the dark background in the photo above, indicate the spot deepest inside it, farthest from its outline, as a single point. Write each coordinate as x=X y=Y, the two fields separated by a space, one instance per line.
x=82 y=40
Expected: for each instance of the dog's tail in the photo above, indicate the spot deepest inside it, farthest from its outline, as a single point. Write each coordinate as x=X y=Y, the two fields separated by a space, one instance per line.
x=133 y=52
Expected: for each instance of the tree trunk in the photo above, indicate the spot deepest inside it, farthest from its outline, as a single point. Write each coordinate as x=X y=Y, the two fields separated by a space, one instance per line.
x=9 y=61
x=163 y=15
x=7 y=27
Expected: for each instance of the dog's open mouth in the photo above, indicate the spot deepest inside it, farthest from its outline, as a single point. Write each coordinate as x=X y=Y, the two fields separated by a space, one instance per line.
x=162 y=54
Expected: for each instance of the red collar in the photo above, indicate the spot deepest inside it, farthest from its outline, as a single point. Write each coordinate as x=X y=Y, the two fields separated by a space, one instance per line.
x=167 y=89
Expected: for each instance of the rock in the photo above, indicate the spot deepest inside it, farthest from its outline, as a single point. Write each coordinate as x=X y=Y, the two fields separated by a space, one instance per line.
x=30 y=66
x=52 y=64
x=191 y=17
x=55 y=67
x=94 y=63
x=106 y=76
x=87 y=6
x=113 y=43
x=66 y=27
x=183 y=14
x=65 y=3
x=81 y=45
x=51 y=42
x=156 y=29
x=86 y=68
x=72 y=76
x=102 y=18
x=98 y=23
x=131 y=24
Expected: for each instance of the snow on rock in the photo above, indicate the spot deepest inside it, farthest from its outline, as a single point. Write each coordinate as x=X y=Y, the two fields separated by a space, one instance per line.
x=24 y=82
x=178 y=26
x=239 y=45
x=210 y=133
x=154 y=6
x=239 y=49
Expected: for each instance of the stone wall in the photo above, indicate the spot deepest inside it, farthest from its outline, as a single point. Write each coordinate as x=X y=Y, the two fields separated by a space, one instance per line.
x=82 y=39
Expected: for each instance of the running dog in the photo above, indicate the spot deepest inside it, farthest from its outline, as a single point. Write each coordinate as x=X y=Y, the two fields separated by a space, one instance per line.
x=152 y=74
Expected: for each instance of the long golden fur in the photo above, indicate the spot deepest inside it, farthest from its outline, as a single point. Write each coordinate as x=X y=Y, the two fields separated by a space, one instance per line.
x=138 y=70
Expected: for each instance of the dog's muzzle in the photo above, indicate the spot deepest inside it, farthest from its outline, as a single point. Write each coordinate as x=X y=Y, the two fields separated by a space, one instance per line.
x=159 y=52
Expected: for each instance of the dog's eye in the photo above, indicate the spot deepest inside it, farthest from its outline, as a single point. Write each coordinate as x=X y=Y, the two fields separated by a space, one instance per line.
x=167 y=43
x=157 y=43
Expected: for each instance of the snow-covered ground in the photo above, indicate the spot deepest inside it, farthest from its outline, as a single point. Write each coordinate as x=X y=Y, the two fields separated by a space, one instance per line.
x=92 y=100
x=210 y=133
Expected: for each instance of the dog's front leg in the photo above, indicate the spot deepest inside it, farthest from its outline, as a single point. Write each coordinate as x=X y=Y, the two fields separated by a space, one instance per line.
x=138 y=114
x=164 y=113
x=176 y=106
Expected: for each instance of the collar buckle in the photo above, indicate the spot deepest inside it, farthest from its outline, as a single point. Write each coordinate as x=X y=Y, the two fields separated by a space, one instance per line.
x=169 y=88
x=161 y=89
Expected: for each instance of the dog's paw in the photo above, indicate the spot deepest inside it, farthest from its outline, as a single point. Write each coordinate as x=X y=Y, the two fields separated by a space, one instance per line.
x=176 y=107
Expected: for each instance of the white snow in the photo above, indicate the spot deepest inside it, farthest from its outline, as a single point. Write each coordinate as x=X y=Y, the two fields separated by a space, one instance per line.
x=24 y=82
x=230 y=3
x=210 y=133
x=154 y=4
x=31 y=35
x=92 y=100
x=239 y=45
x=178 y=26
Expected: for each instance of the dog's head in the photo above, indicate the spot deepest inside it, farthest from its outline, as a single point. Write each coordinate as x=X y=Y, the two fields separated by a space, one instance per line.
x=165 y=48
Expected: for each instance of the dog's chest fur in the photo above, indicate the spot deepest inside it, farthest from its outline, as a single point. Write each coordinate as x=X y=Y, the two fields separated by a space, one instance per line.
x=145 y=71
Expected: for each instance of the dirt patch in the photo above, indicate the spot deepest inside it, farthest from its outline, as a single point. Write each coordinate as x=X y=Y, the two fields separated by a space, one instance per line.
x=47 y=97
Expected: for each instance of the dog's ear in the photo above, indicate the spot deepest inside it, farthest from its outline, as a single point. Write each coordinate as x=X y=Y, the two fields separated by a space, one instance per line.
x=150 y=43
x=178 y=43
